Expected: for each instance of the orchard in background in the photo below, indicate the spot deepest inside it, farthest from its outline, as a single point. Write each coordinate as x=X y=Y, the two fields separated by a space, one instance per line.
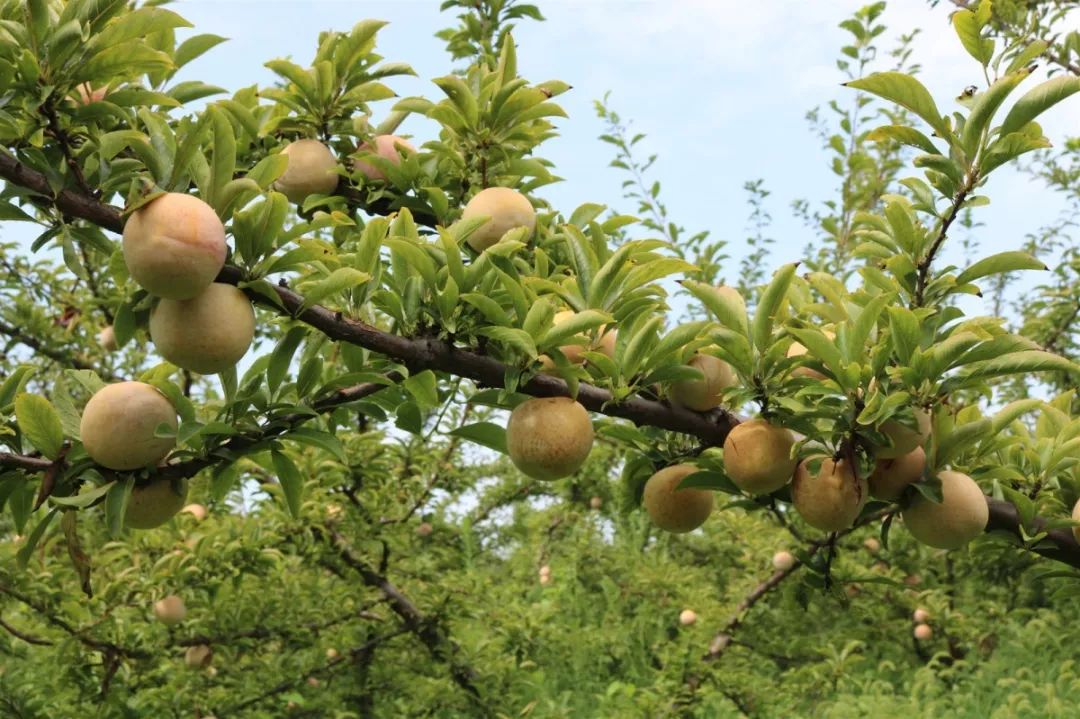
x=304 y=417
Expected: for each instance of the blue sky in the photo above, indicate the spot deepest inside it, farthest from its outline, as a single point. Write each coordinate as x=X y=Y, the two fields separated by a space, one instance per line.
x=721 y=88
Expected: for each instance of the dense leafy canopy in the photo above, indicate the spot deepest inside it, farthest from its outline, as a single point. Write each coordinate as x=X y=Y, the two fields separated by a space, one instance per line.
x=369 y=548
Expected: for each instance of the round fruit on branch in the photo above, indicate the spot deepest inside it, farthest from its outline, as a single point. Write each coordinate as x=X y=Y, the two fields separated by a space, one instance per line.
x=831 y=500
x=757 y=456
x=701 y=395
x=505 y=209
x=549 y=437
x=904 y=439
x=119 y=422
x=673 y=509
x=961 y=515
x=206 y=334
x=387 y=147
x=152 y=505
x=170 y=610
x=174 y=246
x=312 y=170
x=892 y=476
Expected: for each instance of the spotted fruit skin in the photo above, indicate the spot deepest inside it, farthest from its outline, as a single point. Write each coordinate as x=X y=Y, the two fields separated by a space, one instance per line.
x=118 y=424
x=673 y=509
x=549 y=438
x=757 y=456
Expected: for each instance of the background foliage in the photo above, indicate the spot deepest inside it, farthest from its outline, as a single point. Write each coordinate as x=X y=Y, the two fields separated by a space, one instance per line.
x=384 y=558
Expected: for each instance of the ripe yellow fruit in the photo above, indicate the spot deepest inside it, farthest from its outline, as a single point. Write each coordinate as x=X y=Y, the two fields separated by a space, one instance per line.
x=549 y=437
x=312 y=170
x=923 y=633
x=332 y=653
x=798 y=349
x=960 y=517
x=833 y=499
x=892 y=476
x=153 y=504
x=170 y=610
x=424 y=529
x=174 y=246
x=904 y=438
x=871 y=545
x=198 y=656
x=702 y=395
x=783 y=561
x=757 y=456
x=1076 y=518
x=505 y=208
x=388 y=148
x=575 y=354
x=673 y=509
x=596 y=503
x=107 y=339
x=196 y=510
x=206 y=334
x=920 y=616
x=118 y=424
x=687 y=617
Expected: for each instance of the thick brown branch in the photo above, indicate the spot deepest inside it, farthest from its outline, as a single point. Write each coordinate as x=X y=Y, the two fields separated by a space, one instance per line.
x=28 y=638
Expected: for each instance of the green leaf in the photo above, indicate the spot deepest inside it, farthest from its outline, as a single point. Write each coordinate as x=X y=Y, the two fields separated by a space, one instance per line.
x=424 y=388
x=292 y=485
x=727 y=306
x=195 y=46
x=771 y=302
x=135 y=25
x=40 y=423
x=996 y=264
x=969 y=30
x=906 y=91
x=224 y=159
x=116 y=505
x=23 y=557
x=580 y=323
x=905 y=136
x=520 y=340
x=339 y=280
x=11 y=212
x=986 y=104
x=1009 y=147
x=321 y=440
x=84 y=498
x=1037 y=100
x=905 y=333
x=1024 y=362
x=460 y=95
x=487 y=434
x=281 y=357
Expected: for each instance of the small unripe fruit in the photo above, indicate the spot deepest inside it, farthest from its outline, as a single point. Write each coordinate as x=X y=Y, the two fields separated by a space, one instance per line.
x=312 y=170
x=673 y=509
x=1076 y=518
x=332 y=653
x=549 y=437
x=312 y=682
x=152 y=505
x=904 y=438
x=960 y=517
x=892 y=476
x=702 y=395
x=913 y=580
x=118 y=424
x=196 y=510
x=206 y=334
x=872 y=545
x=687 y=617
x=545 y=579
x=198 y=656
x=387 y=147
x=333 y=511
x=783 y=561
x=505 y=208
x=920 y=616
x=170 y=610
x=174 y=246
x=545 y=571
x=107 y=339
x=923 y=633
x=596 y=503
x=833 y=499
x=424 y=529
x=757 y=456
